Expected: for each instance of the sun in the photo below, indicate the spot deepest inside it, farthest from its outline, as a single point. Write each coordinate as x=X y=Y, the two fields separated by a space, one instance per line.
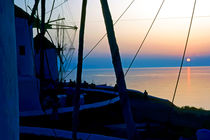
x=188 y=59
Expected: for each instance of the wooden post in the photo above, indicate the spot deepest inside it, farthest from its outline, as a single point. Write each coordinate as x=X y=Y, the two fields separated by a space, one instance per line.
x=124 y=99
x=9 y=106
x=33 y=12
x=43 y=17
x=76 y=101
x=42 y=39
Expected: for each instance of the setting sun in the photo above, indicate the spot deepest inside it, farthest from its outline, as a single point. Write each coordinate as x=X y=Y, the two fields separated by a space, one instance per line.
x=188 y=59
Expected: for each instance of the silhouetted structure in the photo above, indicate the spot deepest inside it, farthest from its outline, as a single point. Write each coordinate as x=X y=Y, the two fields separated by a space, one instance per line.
x=9 y=108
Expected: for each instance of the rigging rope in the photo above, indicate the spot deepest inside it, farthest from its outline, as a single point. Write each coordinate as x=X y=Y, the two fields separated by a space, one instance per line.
x=70 y=15
x=101 y=38
x=51 y=11
x=186 y=44
x=56 y=6
x=144 y=38
x=70 y=56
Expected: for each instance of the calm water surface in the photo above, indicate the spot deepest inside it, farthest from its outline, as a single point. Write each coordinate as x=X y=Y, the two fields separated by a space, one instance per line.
x=193 y=89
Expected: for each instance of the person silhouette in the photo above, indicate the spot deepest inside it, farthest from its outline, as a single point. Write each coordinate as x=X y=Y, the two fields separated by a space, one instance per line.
x=145 y=94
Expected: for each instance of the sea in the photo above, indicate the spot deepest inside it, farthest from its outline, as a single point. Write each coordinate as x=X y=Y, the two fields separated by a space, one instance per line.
x=193 y=88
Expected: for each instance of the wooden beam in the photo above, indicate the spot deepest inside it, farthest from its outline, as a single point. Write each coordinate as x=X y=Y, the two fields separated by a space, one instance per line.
x=124 y=99
x=76 y=101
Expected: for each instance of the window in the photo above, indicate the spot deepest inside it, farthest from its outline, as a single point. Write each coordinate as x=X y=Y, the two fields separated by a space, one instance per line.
x=22 y=50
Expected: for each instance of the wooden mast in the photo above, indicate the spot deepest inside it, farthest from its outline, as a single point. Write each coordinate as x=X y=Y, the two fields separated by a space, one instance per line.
x=76 y=101
x=42 y=39
x=9 y=107
x=124 y=99
x=31 y=19
x=59 y=51
x=42 y=17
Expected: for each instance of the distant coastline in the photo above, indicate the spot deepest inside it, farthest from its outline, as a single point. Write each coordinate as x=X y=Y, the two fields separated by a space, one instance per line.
x=106 y=62
x=145 y=67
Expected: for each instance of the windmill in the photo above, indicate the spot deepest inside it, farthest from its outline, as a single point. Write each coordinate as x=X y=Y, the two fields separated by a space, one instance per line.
x=65 y=50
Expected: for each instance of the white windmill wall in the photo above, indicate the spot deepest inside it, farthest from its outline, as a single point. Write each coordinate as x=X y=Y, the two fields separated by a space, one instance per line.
x=49 y=59
x=9 y=114
x=29 y=85
x=50 y=64
x=24 y=43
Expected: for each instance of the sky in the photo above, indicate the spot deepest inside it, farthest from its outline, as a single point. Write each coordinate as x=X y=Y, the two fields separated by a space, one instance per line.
x=164 y=45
